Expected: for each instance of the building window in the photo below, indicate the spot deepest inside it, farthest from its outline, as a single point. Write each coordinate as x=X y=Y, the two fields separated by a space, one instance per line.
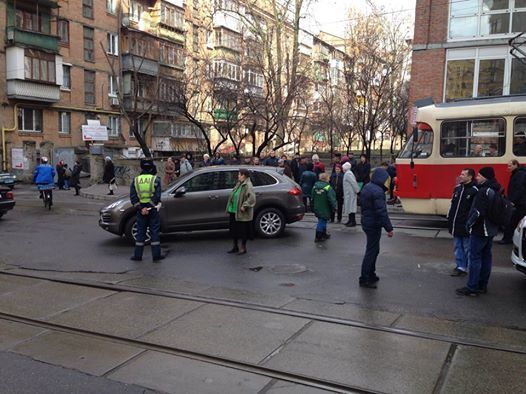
x=225 y=38
x=89 y=55
x=89 y=87
x=473 y=138
x=136 y=10
x=64 y=122
x=518 y=76
x=476 y=18
x=39 y=66
x=491 y=77
x=172 y=55
x=140 y=127
x=112 y=86
x=63 y=31
x=66 y=76
x=172 y=16
x=114 y=129
x=253 y=79
x=87 y=9
x=111 y=6
x=26 y=20
x=30 y=120
x=113 y=44
x=223 y=69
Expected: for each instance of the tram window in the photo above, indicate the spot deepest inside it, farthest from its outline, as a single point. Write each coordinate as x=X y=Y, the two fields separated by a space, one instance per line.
x=519 y=137
x=422 y=148
x=473 y=138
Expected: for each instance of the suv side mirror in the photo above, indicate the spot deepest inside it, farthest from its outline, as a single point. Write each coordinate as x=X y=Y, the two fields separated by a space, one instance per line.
x=180 y=192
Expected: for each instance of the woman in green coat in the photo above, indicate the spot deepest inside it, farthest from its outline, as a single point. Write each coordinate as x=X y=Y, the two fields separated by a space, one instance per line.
x=240 y=208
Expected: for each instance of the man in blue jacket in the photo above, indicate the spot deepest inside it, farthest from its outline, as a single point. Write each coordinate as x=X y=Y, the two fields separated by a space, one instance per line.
x=44 y=175
x=374 y=218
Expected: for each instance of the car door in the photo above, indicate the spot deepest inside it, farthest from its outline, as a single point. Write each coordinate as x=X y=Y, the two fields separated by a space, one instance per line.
x=227 y=181
x=196 y=206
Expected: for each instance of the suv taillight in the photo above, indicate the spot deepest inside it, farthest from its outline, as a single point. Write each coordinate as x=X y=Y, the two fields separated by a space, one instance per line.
x=295 y=191
x=9 y=195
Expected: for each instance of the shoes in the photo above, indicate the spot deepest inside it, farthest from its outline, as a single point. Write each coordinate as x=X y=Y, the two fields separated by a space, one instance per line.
x=159 y=258
x=483 y=290
x=233 y=250
x=325 y=235
x=374 y=279
x=110 y=194
x=242 y=252
x=458 y=272
x=466 y=291
x=505 y=242
x=368 y=285
x=319 y=237
x=134 y=258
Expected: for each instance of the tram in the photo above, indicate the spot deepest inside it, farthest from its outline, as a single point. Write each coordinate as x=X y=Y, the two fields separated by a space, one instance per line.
x=451 y=136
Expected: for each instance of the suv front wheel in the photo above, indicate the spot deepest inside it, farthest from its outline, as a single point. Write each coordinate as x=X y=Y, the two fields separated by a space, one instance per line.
x=270 y=223
x=130 y=231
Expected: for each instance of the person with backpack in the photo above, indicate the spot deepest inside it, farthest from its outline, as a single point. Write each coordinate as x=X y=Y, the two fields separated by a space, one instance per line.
x=323 y=205
x=517 y=196
x=461 y=202
x=482 y=225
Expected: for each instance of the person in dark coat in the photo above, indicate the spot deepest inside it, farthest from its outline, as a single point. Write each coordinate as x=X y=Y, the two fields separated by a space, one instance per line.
x=517 y=196
x=75 y=177
x=374 y=218
x=337 y=185
x=109 y=174
x=363 y=171
x=271 y=160
x=295 y=167
x=61 y=172
x=307 y=180
x=461 y=202
x=482 y=230
x=323 y=205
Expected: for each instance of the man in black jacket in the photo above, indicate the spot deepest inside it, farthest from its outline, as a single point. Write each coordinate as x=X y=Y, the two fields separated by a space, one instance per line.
x=461 y=202
x=517 y=196
x=482 y=230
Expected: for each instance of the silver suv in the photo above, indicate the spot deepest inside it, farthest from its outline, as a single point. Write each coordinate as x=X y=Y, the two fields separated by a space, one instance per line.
x=197 y=201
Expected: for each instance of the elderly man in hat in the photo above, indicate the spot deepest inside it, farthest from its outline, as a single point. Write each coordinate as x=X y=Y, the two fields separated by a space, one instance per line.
x=482 y=230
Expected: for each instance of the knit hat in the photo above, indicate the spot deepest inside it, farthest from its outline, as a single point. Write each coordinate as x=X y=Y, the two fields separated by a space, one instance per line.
x=345 y=159
x=346 y=167
x=338 y=166
x=487 y=172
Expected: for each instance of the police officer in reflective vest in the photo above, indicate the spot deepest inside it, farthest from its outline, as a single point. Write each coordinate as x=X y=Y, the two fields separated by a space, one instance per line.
x=145 y=195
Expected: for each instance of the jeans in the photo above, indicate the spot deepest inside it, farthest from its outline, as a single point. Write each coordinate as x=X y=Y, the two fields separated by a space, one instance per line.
x=322 y=225
x=480 y=262
x=372 y=251
x=461 y=245
x=153 y=221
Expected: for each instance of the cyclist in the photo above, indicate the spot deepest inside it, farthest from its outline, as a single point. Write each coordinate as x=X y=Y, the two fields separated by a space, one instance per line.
x=44 y=178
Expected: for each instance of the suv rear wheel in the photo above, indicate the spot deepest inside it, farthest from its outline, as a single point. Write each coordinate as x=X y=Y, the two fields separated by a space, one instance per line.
x=130 y=231
x=270 y=223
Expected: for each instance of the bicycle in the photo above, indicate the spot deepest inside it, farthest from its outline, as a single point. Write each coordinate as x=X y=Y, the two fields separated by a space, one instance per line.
x=46 y=192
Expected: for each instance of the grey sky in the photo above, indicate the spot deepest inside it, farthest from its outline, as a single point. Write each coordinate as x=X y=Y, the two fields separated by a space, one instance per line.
x=331 y=15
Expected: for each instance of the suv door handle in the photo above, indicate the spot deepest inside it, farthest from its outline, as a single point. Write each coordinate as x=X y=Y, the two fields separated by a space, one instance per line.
x=213 y=197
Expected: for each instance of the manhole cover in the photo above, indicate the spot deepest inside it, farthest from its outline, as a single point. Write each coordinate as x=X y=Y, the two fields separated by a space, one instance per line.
x=288 y=269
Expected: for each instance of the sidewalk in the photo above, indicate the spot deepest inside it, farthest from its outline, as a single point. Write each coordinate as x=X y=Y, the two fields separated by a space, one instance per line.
x=99 y=191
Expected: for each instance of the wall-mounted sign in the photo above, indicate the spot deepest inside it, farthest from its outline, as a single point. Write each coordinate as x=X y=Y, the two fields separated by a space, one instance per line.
x=94 y=131
x=17 y=159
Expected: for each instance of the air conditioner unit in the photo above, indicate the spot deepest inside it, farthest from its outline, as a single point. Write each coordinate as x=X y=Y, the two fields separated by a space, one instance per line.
x=114 y=101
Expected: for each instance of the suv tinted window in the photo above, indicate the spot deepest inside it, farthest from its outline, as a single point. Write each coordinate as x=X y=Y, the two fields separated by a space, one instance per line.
x=262 y=179
x=227 y=179
x=202 y=182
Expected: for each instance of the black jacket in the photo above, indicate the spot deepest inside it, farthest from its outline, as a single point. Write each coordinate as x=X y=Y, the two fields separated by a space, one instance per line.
x=109 y=172
x=337 y=184
x=461 y=202
x=75 y=175
x=478 y=222
x=363 y=172
x=517 y=188
x=372 y=201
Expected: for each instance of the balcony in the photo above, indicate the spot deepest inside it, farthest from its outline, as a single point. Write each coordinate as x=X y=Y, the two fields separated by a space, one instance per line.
x=224 y=19
x=141 y=65
x=16 y=36
x=28 y=90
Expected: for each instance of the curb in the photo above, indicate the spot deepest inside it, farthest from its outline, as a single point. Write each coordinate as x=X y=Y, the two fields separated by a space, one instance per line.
x=100 y=197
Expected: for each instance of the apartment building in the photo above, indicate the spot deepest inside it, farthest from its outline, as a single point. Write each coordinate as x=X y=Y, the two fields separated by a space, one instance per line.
x=461 y=49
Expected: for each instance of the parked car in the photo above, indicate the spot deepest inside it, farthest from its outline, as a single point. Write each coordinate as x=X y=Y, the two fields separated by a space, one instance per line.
x=519 y=247
x=7 y=201
x=7 y=179
x=197 y=201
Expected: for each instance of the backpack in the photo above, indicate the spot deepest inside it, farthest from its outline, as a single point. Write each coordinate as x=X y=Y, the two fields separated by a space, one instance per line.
x=500 y=209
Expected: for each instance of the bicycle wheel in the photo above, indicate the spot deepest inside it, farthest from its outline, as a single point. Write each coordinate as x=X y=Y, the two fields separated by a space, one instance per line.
x=50 y=199
x=44 y=198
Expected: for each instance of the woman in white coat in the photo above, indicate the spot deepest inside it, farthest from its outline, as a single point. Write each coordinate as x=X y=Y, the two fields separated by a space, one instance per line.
x=350 y=194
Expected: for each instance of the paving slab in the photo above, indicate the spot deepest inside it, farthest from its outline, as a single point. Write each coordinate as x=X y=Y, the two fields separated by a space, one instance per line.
x=344 y=311
x=364 y=358
x=489 y=335
x=234 y=333
x=9 y=283
x=166 y=284
x=239 y=295
x=126 y=314
x=476 y=370
x=47 y=298
x=22 y=375
x=282 y=387
x=173 y=374
x=12 y=333
x=89 y=355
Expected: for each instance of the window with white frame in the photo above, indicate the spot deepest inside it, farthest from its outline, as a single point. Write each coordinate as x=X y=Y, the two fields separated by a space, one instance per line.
x=253 y=78
x=172 y=55
x=114 y=126
x=30 y=120
x=227 y=70
x=135 y=11
x=66 y=76
x=112 y=44
x=64 y=122
x=111 y=6
x=486 y=18
x=483 y=72
x=112 y=86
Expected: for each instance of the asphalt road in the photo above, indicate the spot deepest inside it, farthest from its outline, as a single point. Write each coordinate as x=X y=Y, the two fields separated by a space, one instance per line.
x=414 y=269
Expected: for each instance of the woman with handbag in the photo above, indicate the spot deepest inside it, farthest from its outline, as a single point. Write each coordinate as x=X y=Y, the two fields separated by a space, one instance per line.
x=240 y=208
